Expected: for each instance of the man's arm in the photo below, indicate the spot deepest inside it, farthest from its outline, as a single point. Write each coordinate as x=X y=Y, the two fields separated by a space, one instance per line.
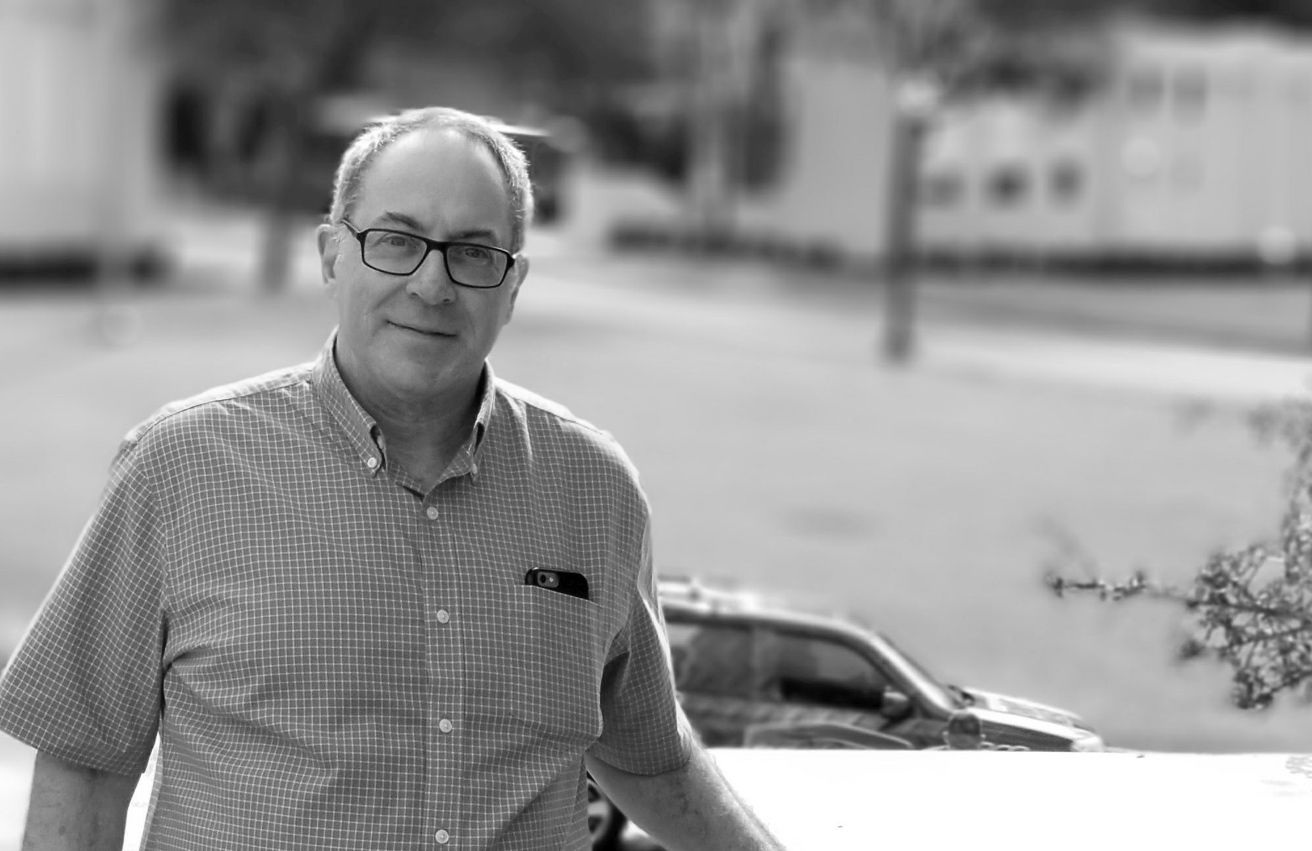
x=74 y=808
x=692 y=808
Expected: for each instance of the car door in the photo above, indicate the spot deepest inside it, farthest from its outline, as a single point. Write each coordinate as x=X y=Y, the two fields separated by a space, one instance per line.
x=807 y=677
x=713 y=673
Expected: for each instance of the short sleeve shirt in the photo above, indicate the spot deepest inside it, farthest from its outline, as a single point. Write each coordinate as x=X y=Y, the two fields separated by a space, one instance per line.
x=331 y=657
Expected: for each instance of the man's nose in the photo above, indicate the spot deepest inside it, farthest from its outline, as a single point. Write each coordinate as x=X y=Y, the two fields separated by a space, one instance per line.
x=430 y=282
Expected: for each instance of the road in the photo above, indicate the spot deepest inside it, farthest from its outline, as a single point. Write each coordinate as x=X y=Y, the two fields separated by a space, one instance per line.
x=1228 y=341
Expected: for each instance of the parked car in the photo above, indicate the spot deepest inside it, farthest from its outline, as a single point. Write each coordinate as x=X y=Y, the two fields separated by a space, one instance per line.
x=741 y=661
x=752 y=673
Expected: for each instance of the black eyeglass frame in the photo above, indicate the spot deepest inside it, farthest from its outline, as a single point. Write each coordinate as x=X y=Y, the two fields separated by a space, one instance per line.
x=431 y=245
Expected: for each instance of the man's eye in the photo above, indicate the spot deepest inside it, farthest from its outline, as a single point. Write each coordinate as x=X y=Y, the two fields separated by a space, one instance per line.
x=396 y=240
x=475 y=252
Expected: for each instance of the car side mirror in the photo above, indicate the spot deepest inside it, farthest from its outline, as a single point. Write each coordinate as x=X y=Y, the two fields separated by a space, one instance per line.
x=895 y=705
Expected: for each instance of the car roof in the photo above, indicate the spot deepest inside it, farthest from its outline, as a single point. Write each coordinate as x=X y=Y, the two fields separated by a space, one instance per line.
x=692 y=596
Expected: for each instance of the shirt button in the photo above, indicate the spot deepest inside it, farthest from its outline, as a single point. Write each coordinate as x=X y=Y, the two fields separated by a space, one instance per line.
x=442 y=837
x=371 y=463
x=432 y=512
x=443 y=616
x=445 y=725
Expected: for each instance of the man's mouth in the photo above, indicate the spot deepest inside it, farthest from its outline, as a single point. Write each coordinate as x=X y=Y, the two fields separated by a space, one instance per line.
x=427 y=332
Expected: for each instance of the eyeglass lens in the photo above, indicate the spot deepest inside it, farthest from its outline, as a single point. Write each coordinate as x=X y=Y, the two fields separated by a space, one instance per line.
x=468 y=263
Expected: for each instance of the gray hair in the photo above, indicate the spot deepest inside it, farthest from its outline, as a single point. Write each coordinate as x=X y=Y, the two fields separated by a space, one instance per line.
x=377 y=136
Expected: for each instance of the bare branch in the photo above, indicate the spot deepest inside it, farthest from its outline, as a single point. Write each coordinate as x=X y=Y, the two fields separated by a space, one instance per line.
x=1248 y=607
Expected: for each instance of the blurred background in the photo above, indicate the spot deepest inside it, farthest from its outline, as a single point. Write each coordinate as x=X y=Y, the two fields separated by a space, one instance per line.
x=889 y=301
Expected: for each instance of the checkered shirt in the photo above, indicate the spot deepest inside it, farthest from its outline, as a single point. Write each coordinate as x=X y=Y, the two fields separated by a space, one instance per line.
x=332 y=659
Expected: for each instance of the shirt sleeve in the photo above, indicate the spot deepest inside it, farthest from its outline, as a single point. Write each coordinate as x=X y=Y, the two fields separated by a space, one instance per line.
x=644 y=731
x=84 y=683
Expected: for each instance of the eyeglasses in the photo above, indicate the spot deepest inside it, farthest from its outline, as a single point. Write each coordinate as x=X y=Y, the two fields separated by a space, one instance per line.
x=468 y=264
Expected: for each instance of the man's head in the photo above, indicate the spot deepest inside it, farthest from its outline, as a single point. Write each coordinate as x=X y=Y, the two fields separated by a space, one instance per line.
x=411 y=335
x=381 y=134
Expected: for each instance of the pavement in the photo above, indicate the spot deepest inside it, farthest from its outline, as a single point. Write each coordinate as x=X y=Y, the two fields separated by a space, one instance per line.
x=217 y=250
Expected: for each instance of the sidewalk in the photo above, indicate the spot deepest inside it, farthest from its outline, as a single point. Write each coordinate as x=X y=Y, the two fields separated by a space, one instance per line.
x=1184 y=372
x=964 y=330
x=986 y=349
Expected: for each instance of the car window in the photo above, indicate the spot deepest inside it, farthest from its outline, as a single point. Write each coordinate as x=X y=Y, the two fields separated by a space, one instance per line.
x=711 y=659
x=799 y=668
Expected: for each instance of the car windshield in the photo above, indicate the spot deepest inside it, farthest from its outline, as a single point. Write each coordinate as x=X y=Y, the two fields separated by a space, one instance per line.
x=913 y=670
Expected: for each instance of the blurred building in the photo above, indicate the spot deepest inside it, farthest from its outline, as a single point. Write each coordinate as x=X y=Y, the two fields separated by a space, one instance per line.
x=1194 y=151
x=1188 y=149
x=79 y=87
x=773 y=124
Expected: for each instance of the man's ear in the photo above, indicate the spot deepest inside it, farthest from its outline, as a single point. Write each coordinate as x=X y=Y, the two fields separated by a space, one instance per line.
x=329 y=248
x=521 y=272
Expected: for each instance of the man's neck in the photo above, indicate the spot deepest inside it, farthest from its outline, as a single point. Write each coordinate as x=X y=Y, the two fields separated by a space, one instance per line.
x=423 y=441
x=423 y=435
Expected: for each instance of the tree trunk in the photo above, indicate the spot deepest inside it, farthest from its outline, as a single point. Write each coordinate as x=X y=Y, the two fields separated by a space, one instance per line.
x=347 y=36
x=287 y=142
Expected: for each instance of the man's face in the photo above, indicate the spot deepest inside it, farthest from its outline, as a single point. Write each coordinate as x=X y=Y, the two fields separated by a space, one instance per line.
x=421 y=338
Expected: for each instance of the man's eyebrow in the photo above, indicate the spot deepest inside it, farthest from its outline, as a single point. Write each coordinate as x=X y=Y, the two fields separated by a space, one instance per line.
x=400 y=219
x=486 y=234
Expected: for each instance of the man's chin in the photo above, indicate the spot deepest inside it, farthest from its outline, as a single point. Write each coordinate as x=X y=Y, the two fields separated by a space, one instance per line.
x=425 y=380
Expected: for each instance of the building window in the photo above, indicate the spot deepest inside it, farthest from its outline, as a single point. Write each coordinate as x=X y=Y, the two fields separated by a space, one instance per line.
x=1066 y=181
x=1008 y=186
x=942 y=189
x=1145 y=89
x=1189 y=93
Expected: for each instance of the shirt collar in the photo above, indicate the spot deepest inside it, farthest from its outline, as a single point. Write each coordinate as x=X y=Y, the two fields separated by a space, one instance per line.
x=487 y=404
x=362 y=430
x=466 y=460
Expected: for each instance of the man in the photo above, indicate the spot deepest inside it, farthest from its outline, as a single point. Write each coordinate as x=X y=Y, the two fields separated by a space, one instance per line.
x=383 y=600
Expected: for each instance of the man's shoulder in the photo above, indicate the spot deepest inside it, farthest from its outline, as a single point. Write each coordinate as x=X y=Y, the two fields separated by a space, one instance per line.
x=268 y=393
x=551 y=421
x=535 y=404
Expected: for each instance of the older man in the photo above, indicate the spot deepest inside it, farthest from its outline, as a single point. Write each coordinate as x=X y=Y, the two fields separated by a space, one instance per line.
x=381 y=600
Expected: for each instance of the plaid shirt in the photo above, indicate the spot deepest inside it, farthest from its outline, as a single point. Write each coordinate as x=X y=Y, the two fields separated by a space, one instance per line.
x=332 y=659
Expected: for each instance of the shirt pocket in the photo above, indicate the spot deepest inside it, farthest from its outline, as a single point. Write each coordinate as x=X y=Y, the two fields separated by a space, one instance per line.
x=554 y=681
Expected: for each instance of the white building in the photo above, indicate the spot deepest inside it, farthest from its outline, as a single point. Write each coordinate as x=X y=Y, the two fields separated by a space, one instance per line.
x=1198 y=148
x=828 y=189
x=79 y=93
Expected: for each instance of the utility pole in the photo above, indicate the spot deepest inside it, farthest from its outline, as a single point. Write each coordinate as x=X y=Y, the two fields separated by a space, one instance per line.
x=914 y=101
x=708 y=173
